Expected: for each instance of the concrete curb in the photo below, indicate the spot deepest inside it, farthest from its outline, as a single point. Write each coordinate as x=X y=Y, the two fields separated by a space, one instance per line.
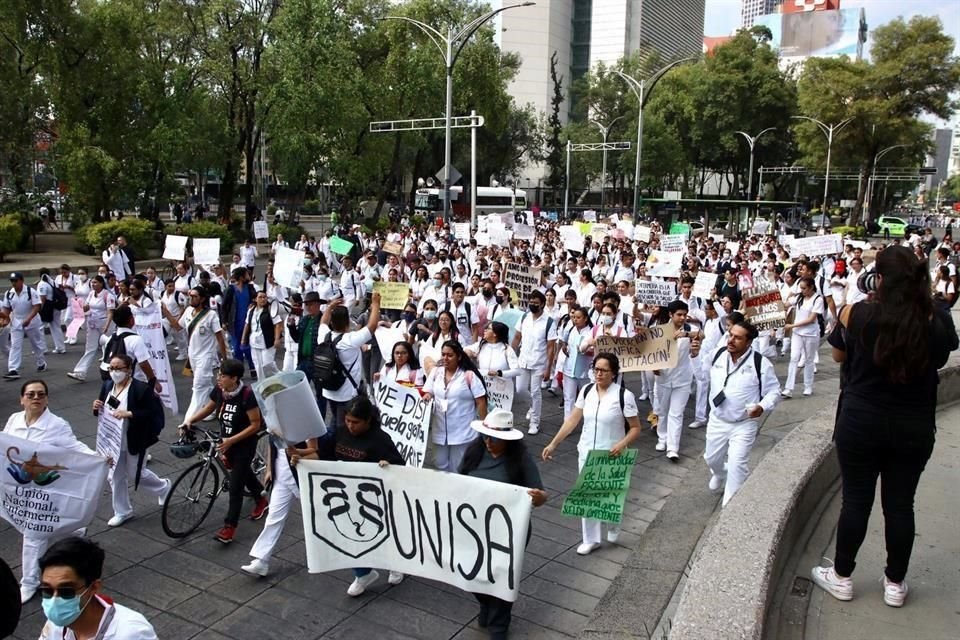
x=735 y=575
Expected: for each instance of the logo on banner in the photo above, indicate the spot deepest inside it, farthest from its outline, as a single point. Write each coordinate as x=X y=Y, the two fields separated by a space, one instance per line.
x=31 y=470
x=356 y=506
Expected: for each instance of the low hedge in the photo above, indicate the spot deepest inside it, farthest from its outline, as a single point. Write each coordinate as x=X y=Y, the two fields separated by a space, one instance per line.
x=11 y=233
x=138 y=233
x=857 y=233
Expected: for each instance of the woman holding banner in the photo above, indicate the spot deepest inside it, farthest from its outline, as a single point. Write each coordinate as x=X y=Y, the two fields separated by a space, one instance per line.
x=604 y=407
x=460 y=396
x=498 y=454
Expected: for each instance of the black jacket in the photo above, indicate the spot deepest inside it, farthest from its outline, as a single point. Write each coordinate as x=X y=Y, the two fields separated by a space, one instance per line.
x=147 y=421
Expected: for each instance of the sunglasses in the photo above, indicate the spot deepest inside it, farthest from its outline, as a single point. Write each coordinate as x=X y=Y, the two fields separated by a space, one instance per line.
x=67 y=593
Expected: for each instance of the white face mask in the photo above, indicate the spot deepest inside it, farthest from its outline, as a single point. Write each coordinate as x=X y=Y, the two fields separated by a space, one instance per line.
x=606 y=320
x=118 y=376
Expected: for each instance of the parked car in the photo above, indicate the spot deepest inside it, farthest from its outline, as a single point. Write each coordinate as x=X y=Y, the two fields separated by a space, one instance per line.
x=821 y=220
x=696 y=228
x=894 y=227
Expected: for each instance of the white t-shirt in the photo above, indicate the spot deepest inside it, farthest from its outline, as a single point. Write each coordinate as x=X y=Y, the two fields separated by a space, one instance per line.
x=454 y=405
x=254 y=315
x=21 y=304
x=99 y=305
x=602 y=417
x=202 y=345
x=348 y=349
x=534 y=339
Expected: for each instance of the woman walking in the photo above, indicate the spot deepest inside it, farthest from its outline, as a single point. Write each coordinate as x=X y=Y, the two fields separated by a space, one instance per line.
x=263 y=332
x=890 y=350
x=806 y=336
x=98 y=308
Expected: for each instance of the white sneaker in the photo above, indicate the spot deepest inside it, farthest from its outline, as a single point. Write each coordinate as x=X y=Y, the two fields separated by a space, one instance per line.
x=395 y=577
x=613 y=534
x=26 y=594
x=786 y=394
x=257 y=567
x=716 y=482
x=828 y=580
x=118 y=520
x=673 y=456
x=661 y=446
x=587 y=548
x=643 y=397
x=533 y=430
x=166 y=491
x=73 y=375
x=697 y=424
x=807 y=394
x=894 y=594
x=360 y=584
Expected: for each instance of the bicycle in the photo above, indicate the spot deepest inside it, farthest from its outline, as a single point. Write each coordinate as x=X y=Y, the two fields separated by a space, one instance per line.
x=193 y=493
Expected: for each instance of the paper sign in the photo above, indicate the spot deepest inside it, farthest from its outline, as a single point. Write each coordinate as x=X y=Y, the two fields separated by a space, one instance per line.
x=590 y=216
x=387 y=338
x=405 y=417
x=260 y=230
x=602 y=487
x=174 y=247
x=651 y=349
x=394 y=248
x=733 y=247
x=641 y=233
x=289 y=406
x=658 y=294
x=523 y=232
x=765 y=309
x=288 y=267
x=786 y=239
x=599 y=231
x=522 y=278
x=816 y=245
x=466 y=532
x=150 y=329
x=680 y=228
x=760 y=228
x=77 y=319
x=500 y=392
x=673 y=242
x=461 y=231
x=393 y=295
x=665 y=264
x=483 y=238
x=48 y=491
x=340 y=246
x=717 y=237
x=704 y=284
x=109 y=434
x=206 y=251
x=501 y=237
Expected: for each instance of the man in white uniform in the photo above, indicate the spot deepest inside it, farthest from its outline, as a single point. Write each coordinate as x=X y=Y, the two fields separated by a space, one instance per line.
x=21 y=304
x=535 y=341
x=204 y=344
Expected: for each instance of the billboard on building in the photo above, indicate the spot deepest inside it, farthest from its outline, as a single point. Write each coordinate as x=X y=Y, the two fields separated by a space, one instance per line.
x=800 y=6
x=817 y=33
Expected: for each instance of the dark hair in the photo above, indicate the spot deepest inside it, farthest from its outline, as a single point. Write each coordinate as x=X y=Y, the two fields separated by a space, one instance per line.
x=122 y=315
x=502 y=332
x=362 y=408
x=454 y=331
x=536 y=294
x=735 y=317
x=904 y=307
x=340 y=319
x=84 y=556
x=412 y=361
x=513 y=459
x=23 y=387
x=463 y=360
x=458 y=285
x=751 y=330
x=201 y=290
x=232 y=367
x=677 y=305
x=127 y=360
x=610 y=358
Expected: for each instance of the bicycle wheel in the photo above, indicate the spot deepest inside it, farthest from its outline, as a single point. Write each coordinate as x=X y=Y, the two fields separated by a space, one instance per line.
x=190 y=499
x=259 y=463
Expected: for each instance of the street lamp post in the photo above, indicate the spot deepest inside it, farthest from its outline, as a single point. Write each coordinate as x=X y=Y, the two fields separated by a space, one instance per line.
x=605 y=130
x=450 y=46
x=752 y=141
x=639 y=87
x=872 y=180
x=828 y=131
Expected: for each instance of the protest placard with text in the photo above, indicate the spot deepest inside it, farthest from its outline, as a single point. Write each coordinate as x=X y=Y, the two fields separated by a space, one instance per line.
x=405 y=417
x=602 y=486
x=673 y=242
x=765 y=308
x=461 y=231
x=658 y=294
x=590 y=216
x=816 y=245
x=260 y=230
x=499 y=392
x=467 y=532
x=174 y=247
x=651 y=349
x=206 y=251
x=288 y=267
x=641 y=233
x=340 y=246
x=393 y=248
x=523 y=232
x=522 y=278
x=704 y=284
x=393 y=295
x=148 y=325
x=665 y=264
x=109 y=434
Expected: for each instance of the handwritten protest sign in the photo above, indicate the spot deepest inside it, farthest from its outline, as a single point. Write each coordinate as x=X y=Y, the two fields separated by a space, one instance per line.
x=641 y=233
x=760 y=228
x=673 y=242
x=405 y=417
x=148 y=325
x=47 y=491
x=786 y=238
x=394 y=248
x=665 y=264
x=816 y=245
x=499 y=392
x=466 y=532
x=680 y=228
x=461 y=231
x=393 y=295
x=483 y=238
x=659 y=294
x=651 y=349
x=522 y=278
x=109 y=434
x=77 y=319
x=599 y=231
x=174 y=247
x=206 y=250
x=590 y=216
x=732 y=246
x=523 y=232
x=704 y=284
x=260 y=230
x=602 y=486
x=288 y=267
x=500 y=236
x=340 y=246
x=765 y=309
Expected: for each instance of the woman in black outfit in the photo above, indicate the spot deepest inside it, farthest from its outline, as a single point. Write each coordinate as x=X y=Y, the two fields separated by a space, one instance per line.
x=891 y=349
x=499 y=454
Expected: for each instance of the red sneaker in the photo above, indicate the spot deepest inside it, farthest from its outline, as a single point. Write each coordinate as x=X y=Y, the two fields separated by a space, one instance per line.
x=225 y=535
x=260 y=509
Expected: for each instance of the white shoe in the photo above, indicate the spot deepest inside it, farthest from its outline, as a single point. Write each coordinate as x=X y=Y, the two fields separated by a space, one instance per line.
x=716 y=482
x=613 y=534
x=395 y=577
x=587 y=548
x=181 y=358
x=828 y=580
x=257 y=567
x=661 y=446
x=786 y=394
x=26 y=594
x=166 y=491
x=643 y=397
x=894 y=594
x=73 y=375
x=59 y=350
x=807 y=394
x=673 y=456
x=360 y=584
x=697 y=424
x=118 y=520
x=533 y=430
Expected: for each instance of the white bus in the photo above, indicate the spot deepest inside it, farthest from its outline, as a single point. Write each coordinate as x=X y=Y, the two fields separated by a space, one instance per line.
x=489 y=200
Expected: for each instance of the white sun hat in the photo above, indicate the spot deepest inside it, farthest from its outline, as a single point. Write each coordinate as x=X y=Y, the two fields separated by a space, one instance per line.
x=498 y=424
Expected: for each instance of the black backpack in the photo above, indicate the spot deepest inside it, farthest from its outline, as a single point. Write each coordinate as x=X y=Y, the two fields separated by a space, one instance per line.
x=59 y=298
x=328 y=371
x=623 y=391
x=116 y=346
x=757 y=361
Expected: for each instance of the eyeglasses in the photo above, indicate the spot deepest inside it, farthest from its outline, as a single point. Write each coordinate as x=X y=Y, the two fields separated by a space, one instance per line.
x=599 y=370
x=35 y=394
x=67 y=593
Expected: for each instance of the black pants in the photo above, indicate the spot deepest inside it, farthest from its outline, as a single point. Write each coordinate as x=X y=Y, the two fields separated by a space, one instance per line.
x=494 y=614
x=895 y=448
x=241 y=476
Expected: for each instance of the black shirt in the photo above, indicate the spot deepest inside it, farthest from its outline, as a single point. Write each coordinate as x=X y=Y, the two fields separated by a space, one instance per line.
x=373 y=445
x=232 y=412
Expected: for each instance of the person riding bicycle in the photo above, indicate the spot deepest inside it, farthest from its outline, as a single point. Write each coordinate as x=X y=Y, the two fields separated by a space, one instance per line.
x=240 y=423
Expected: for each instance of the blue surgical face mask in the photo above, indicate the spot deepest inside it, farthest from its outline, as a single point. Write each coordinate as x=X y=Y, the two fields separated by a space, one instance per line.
x=437 y=282
x=62 y=611
x=430 y=314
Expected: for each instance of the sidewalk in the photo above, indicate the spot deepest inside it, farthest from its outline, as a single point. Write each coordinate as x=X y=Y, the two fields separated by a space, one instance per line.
x=931 y=611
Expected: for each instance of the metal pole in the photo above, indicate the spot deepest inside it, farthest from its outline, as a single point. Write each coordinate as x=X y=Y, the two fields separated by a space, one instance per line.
x=636 y=172
x=566 y=186
x=603 y=172
x=826 y=181
x=473 y=173
x=446 y=130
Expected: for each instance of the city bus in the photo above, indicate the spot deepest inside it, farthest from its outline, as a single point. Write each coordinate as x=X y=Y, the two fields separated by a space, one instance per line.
x=489 y=200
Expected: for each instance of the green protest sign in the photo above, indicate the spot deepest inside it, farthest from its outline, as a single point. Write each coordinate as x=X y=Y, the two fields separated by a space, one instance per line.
x=680 y=227
x=340 y=246
x=601 y=487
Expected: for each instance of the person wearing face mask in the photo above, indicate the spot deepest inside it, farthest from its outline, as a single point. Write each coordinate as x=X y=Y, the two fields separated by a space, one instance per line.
x=72 y=600
x=535 y=341
x=141 y=412
x=427 y=322
x=502 y=303
x=438 y=289
x=204 y=343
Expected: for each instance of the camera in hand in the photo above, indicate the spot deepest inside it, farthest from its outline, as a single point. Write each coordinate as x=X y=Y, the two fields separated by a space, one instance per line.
x=112 y=402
